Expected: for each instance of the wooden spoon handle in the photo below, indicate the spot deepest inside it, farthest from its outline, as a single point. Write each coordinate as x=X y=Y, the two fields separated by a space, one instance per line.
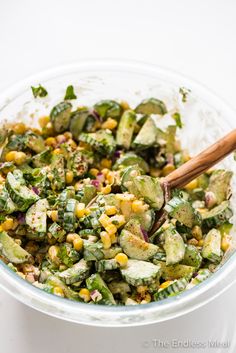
x=203 y=161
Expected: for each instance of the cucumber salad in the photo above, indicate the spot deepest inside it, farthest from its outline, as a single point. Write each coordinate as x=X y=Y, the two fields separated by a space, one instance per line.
x=79 y=197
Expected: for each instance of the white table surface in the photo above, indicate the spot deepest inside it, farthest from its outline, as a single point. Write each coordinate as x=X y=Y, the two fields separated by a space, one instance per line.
x=196 y=38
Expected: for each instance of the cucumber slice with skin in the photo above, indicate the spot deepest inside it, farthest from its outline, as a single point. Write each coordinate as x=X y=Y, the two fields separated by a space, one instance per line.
x=172 y=272
x=60 y=116
x=35 y=142
x=134 y=226
x=111 y=252
x=77 y=122
x=219 y=184
x=95 y=282
x=12 y=251
x=150 y=190
x=147 y=136
x=89 y=192
x=128 y=175
x=135 y=247
x=174 y=246
x=78 y=164
x=108 y=108
x=174 y=288
x=125 y=129
x=202 y=275
x=131 y=159
x=212 y=246
x=7 y=206
x=22 y=196
x=140 y=273
x=54 y=281
x=107 y=265
x=217 y=215
x=183 y=212
x=102 y=140
x=36 y=216
x=58 y=172
x=42 y=159
x=57 y=232
x=66 y=194
x=78 y=272
x=192 y=256
x=93 y=251
x=69 y=219
x=151 y=106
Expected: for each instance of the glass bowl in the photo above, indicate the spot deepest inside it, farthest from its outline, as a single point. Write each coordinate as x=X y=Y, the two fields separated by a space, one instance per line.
x=206 y=118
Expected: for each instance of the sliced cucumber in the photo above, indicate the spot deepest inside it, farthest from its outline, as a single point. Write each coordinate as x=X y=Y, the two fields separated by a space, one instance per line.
x=58 y=172
x=93 y=251
x=60 y=116
x=192 y=256
x=7 y=206
x=174 y=246
x=69 y=218
x=127 y=179
x=172 y=272
x=125 y=129
x=89 y=192
x=78 y=164
x=77 y=122
x=108 y=108
x=139 y=273
x=95 y=282
x=12 y=251
x=78 y=272
x=217 y=215
x=147 y=135
x=134 y=226
x=66 y=194
x=36 y=216
x=131 y=159
x=54 y=281
x=212 y=246
x=146 y=219
x=150 y=190
x=57 y=232
x=135 y=247
x=22 y=196
x=173 y=289
x=102 y=140
x=42 y=159
x=219 y=184
x=151 y=106
x=202 y=275
x=35 y=142
x=111 y=252
x=107 y=265
x=183 y=211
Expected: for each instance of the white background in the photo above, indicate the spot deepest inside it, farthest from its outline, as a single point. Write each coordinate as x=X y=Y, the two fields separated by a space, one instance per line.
x=194 y=37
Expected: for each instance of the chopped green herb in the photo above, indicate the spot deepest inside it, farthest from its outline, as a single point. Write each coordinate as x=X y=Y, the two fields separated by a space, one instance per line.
x=39 y=91
x=70 y=94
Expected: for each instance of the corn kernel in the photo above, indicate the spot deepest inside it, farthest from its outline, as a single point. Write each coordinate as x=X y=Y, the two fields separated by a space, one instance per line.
x=1 y=228
x=10 y=156
x=7 y=224
x=202 y=210
x=20 y=158
x=57 y=151
x=69 y=177
x=113 y=238
x=53 y=252
x=106 y=189
x=138 y=206
x=106 y=240
x=126 y=208
x=85 y=294
x=125 y=197
x=111 y=229
x=106 y=163
x=110 y=178
x=54 y=215
x=197 y=232
x=168 y=169
x=110 y=210
x=80 y=210
x=51 y=141
x=48 y=129
x=193 y=241
x=122 y=259
x=192 y=185
x=104 y=220
x=105 y=171
x=124 y=105
x=94 y=171
x=109 y=124
x=43 y=121
x=78 y=186
x=165 y=284
x=58 y=291
x=71 y=237
x=78 y=243
x=142 y=289
x=87 y=211
x=19 y=128
x=155 y=172
x=200 y=242
x=225 y=243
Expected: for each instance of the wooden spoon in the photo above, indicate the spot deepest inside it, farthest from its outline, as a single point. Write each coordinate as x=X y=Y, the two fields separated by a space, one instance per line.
x=195 y=167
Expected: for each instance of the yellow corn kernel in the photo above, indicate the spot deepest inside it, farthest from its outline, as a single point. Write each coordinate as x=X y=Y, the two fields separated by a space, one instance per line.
x=110 y=178
x=111 y=229
x=105 y=171
x=54 y=215
x=48 y=129
x=155 y=172
x=10 y=156
x=146 y=299
x=142 y=289
x=106 y=240
x=43 y=121
x=125 y=197
x=202 y=210
x=113 y=238
x=118 y=220
x=109 y=124
x=72 y=144
x=168 y=169
x=192 y=185
x=78 y=186
x=122 y=259
x=94 y=171
x=1 y=228
x=110 y=210
x=197 y=232
x=19 y=128
x=58 y=291
x=7 y=224
x=57 y=151
x=104 y=220
x=20 y=158
x=165 y=284
x=126 y=208
x=87 y=211
x=80 y=210
x=200 y=242
x=225 y=243
x=193 y=241
x=106 y=190
x=69 y=177
x=106 y=163
x=78 y=243
x=138 y=206
x=68 y=135
x=53 y=252
x=85 y=294
x=71 y=237
x=124 y=105
x=51 y=141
